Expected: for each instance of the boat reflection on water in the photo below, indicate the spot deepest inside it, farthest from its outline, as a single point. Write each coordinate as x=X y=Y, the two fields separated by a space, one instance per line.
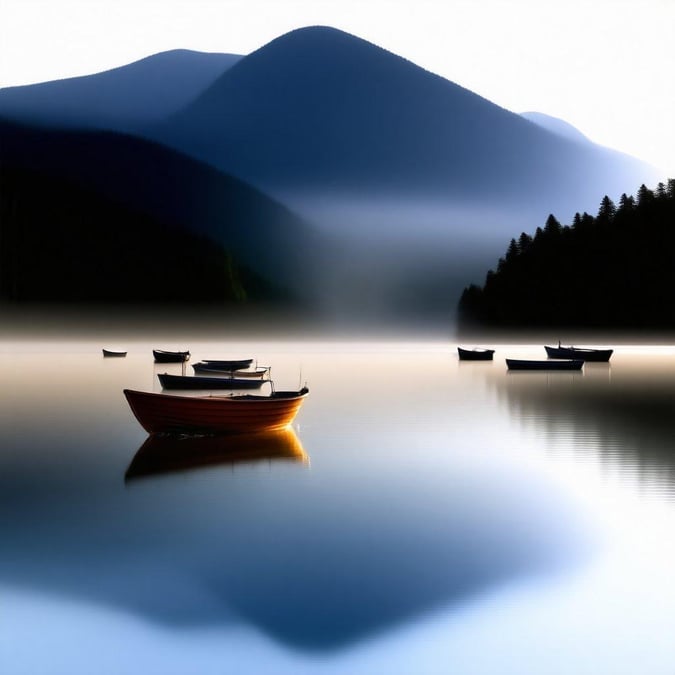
x=169 y=453
x=623 y=416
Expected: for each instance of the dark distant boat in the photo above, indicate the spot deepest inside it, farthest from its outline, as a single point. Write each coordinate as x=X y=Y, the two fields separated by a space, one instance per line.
x=546 y=364
x=242 y=413
x=583 y=353
x=111 y=352
x=230 y=364
x=475 y=354
x=198 y=382
x=162 y=356
x=168 y=453
x=202 y=367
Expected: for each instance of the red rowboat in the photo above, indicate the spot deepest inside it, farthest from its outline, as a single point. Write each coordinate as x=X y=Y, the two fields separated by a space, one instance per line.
x=165 y=413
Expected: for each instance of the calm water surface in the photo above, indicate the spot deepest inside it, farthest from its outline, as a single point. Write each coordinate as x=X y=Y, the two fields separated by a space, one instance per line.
x=424 y=516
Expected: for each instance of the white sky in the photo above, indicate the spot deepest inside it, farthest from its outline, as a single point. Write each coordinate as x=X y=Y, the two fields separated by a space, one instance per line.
x=605 y=66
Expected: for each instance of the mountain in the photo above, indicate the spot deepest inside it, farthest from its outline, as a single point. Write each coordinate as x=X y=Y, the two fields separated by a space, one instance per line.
x=120 y=201
x=321 y=117
x=405 y=184
x=556 y=126
x=134 y=94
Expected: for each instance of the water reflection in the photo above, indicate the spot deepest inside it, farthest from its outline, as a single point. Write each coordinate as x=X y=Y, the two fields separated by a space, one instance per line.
x=168 y=453
x=412 y=504
x=625 y=413
x=343 y=563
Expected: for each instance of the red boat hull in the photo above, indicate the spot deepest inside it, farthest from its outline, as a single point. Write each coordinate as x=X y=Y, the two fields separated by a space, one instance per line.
x=164 y=413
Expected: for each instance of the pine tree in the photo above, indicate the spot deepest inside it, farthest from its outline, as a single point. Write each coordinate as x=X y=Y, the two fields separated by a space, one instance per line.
x=524 y=242
x=552 y=227
x=626 y=204
x=512 y=251
x=644 y=195
x=607 y=209
x=671 y=188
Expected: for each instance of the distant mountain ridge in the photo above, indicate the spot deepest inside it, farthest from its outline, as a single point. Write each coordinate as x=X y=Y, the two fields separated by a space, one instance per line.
x=121 y=98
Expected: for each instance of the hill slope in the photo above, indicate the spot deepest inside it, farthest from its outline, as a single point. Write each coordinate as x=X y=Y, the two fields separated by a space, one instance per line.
x=156 y=188
x=556 y=126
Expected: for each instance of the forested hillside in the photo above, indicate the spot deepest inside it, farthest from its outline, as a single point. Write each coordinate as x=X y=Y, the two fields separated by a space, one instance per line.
x=60 y=242
x=614 y=269
x=102 y=216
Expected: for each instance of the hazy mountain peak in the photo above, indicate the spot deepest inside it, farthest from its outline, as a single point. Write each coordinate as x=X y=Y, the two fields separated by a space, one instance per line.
x=323 y=52
x=323 y=36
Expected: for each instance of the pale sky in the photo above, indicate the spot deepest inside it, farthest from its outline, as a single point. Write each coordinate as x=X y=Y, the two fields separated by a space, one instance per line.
x=605 y=66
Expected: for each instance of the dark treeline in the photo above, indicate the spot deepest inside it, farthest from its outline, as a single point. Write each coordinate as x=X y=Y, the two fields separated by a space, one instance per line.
x=615 y=269
x=60 y=242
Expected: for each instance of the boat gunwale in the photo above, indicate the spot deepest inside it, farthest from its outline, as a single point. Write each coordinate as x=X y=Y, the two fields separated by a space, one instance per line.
x=234 y=398
x=205 y=382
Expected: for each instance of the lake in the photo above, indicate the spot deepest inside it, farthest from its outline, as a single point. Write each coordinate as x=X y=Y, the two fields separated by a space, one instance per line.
x=424 y=515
